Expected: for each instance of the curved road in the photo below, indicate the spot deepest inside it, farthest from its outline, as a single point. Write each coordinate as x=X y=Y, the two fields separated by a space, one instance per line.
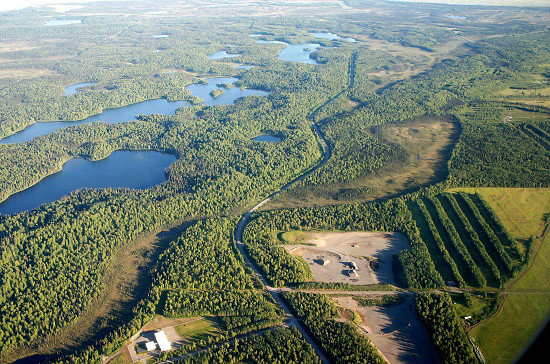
x=276 y=292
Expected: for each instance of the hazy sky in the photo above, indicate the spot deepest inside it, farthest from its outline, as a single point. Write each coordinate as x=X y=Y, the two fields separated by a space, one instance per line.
x=20 y=4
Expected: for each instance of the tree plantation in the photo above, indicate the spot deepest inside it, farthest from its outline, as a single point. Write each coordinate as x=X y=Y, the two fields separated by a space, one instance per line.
x=362 y=181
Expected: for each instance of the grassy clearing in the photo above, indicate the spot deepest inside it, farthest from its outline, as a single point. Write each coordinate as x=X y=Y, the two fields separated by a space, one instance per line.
x=533 y=102
x=412 y=61
x=538 y=94
x=24 y=73
x=120 y=359
x=542 y=91
x=428 y=142
x=518 y=320
x=293 y=237
x=477 y=307
x=198 y=329
x=524 y=213
x=523 y=116
x=538 y=276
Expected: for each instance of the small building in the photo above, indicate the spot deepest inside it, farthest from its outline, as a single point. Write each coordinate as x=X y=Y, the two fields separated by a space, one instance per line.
x=162 y=341
x=353 y=265
x=150 y=345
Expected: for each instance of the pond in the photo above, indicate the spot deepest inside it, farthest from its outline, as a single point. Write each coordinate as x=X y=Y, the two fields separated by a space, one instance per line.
x=295 y=52
x=63 y=22
x=332 y=36
x=228 y=97
x=129 y=112
x=265 y=138
x=456 y=17
x=130 y=169
x=73 y=89
x=222 y=54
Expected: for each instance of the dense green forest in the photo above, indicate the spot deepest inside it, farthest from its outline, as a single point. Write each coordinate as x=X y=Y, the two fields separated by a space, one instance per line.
x=280 y=346
x=58 y=262
x=437 y=312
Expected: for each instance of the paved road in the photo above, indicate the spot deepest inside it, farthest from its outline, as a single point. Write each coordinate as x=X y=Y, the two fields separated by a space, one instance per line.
x=276 y=292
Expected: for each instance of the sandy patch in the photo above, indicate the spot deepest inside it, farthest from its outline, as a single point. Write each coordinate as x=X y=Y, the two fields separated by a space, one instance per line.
x=395 y=331
x=351 y=257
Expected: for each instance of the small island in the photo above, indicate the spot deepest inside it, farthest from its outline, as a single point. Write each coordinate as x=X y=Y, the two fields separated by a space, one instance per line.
x=216 y=93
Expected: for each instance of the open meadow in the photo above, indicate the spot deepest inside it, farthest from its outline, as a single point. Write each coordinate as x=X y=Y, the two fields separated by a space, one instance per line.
x=527 y=306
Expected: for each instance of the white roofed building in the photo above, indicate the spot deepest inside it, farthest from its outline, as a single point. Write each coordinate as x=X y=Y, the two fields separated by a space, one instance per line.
x=162 y=341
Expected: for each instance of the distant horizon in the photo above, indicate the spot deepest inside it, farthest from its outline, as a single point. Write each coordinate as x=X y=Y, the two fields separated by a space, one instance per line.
x=21 y=4
x=11 y=5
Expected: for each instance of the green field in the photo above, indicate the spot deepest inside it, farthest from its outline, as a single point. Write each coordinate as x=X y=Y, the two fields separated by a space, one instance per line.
x=523 y=212
x=197 y=330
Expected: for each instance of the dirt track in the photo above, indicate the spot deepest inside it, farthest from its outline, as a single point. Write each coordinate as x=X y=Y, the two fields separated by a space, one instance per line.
x=395 y=331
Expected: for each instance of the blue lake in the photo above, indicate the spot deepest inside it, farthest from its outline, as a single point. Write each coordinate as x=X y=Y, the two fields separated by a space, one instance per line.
x=456 y=17
x=228 y=97
x=222 y=54
x=129 y=112
x=111 y=116
x=130 y=169
x=265 y=138
x=295 y=52
x=73 y=89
